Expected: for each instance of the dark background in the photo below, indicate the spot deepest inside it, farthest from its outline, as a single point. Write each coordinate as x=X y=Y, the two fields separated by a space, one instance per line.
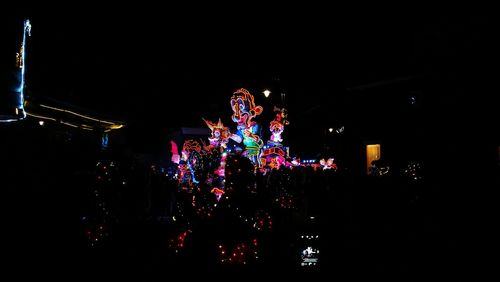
x=161 y=68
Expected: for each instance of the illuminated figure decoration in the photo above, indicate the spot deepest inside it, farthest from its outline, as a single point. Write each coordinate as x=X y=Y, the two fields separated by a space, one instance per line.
x=329 y=164
x=277 y=126
x=220 y=134
x=216 y=150
x=14 y=83
x=274 y=155
x=244 y=110
x=189 y=147
x=276 y=129
x=185 y=176
x=191 y=162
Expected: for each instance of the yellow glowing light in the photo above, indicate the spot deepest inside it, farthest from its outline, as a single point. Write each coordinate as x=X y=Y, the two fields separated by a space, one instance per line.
x=372 y=154
x=69 y=124
x=42 y=117
x=116 y=126
x=76 y=114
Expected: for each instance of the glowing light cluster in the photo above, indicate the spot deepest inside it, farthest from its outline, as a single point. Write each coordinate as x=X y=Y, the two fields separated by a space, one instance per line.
x=309 y=256
x=178 y=242
x=241 y=253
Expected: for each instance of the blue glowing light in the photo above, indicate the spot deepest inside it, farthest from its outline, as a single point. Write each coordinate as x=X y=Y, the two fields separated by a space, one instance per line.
x=16 y=85
x=26 y=31
x=104 y=141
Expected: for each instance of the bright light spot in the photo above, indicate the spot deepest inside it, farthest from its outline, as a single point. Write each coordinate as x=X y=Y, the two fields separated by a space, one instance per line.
x=41 y=123
x=312 y=217
x=266 y=93
x=330 y=129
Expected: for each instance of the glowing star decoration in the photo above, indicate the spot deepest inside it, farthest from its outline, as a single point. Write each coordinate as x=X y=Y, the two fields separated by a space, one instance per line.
x=244 y=110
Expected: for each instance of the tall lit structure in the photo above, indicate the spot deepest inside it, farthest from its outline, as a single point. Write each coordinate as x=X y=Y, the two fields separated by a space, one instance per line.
x=13 y=82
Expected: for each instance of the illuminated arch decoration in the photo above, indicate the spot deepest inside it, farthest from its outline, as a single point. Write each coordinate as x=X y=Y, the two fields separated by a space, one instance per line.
x=244 y=110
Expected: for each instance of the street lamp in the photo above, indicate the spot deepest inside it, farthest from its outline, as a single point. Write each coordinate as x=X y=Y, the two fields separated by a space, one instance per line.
x=330 y=129
x=266 y=93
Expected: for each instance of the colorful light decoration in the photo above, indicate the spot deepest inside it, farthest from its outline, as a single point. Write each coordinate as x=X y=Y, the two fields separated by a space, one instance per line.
x=218 y=142
x=191 y=156
x=328 y=164
x=96 y=221
x=220 y=134
x=218 y=193
x=273 y=154
x=277 y=126
x=276 y=129
x=175 y=152
x=244 y=110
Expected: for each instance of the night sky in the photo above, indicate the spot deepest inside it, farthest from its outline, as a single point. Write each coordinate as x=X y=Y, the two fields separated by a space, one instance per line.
x=159 y=68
